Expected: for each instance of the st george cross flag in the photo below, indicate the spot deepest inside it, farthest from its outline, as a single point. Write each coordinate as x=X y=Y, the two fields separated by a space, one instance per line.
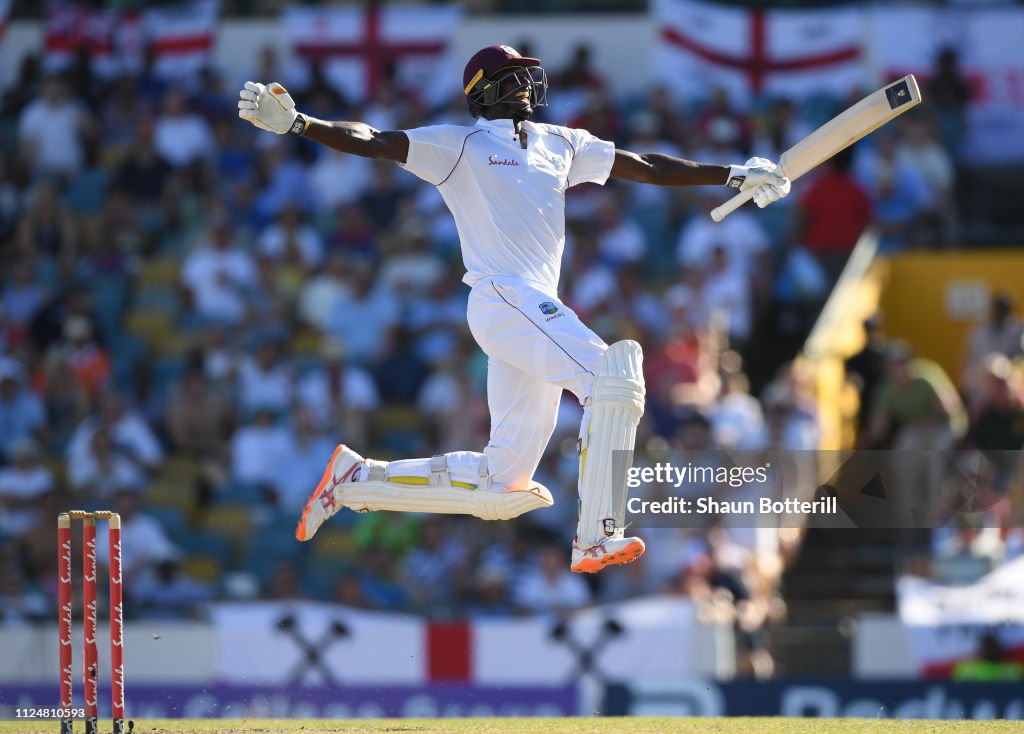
x=182 y=36
x=991 y=56
x=359 y=47
x=751 y=51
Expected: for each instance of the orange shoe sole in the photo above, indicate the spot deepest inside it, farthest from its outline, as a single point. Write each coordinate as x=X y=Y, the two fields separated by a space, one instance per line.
x=627 y=555
x=325 y=480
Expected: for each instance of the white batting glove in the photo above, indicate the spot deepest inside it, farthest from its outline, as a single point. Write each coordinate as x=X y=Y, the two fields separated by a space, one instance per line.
x=270 y=108
x=763 y=176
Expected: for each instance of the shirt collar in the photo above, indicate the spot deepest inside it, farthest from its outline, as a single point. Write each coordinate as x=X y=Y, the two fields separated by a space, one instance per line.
x=503 y=125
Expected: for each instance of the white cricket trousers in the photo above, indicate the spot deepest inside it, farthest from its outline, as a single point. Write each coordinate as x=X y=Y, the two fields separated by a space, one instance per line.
x=536 y=347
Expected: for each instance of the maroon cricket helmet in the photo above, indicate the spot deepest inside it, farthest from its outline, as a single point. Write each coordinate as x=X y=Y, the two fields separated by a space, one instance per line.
x=483 y=72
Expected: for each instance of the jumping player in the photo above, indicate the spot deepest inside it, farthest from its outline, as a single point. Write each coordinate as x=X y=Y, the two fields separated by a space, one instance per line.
x=504 y=180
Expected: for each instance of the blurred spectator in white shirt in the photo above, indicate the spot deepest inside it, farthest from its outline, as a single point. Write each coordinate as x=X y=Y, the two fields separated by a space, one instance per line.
x=144 y=542
x=550 y=586
x=218 y=276
x=1001 y=332
x=21 y=485
x=339 y=178
x=620 y=239
x=322 y=293
x=742 y=237
x=51 y=130
x=258 y=448
x=434 y=569
x=265 y=380
x=103 y=468
x=302 y=463
x=726 y=298
x=339 y=395
x=292 y=239
x=737 y=421
x=180 y=136
x=130 y=433
x=22 y=414
x=363 y=322
x=410 y=269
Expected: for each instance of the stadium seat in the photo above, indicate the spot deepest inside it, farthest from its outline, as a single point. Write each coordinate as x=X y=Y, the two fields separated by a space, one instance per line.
x=154 y=328
x=207 y=569
x=233 y=523
x=163 y=272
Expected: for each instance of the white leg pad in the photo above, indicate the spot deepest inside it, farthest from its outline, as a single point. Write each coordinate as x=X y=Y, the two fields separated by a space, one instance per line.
x=606 y=447
x=455 y=484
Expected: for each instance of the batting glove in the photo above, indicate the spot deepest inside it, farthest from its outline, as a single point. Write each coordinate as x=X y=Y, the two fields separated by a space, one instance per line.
x=763 y=176
x=270 y=108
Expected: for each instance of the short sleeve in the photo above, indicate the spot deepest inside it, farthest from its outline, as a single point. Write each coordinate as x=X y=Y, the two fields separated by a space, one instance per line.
x=592 y=158
x=434 y=151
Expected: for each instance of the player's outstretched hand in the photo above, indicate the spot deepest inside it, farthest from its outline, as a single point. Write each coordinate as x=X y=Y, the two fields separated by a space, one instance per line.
x=269 y=107
x=768 y=183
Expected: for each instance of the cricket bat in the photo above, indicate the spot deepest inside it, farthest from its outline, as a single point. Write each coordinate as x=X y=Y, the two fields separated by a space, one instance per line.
x=840 y=132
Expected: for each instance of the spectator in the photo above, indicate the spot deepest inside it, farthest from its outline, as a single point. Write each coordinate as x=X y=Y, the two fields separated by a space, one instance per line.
x=740 y=235
x=22 y=415
x=102 y=469
x=302 y=462
x=164 y=592
x=324 y=291
x=144 y=542
x=128 y=432
x=218 y=276
x=22 y=296
x=364 y=321
x=199 y=424
x=431 y=573
x=338 y=178
x=89 y=362
x=265 y=381
x=410 y=269
x=258 y=449
x=47 y=229
x=1001 y=332
x=52 y=130
x=949 y=92
x=181 y=137
x=21 y=602
x=143 y=175
x=866 y=368
x=21 y=485
x=833 y=213
x=550 y=586
x=916 y=406
x=620 y=240
x=292 y=239
x=737 y=420
x=339 y=395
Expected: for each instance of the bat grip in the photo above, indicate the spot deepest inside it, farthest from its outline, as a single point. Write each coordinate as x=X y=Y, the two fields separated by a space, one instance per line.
x=721 y=212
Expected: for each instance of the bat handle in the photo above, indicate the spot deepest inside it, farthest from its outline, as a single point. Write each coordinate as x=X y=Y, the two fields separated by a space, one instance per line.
x=721 y=212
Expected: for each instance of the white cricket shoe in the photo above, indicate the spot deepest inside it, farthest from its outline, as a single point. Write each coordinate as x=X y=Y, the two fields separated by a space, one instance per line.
x=323 y=503
x=608 y=552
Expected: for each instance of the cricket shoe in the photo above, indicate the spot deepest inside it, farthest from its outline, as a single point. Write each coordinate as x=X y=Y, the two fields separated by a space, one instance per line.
x=323 y=503
x=611 y=551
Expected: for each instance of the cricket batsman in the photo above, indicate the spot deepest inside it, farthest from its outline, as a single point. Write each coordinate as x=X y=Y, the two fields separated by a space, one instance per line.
x=504 y=179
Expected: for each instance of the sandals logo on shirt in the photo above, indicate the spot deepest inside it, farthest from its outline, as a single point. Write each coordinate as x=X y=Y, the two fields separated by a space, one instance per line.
x=547 y=308
x=493 y=161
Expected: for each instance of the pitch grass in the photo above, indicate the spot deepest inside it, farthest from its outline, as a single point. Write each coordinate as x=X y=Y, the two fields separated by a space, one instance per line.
x=634 y=725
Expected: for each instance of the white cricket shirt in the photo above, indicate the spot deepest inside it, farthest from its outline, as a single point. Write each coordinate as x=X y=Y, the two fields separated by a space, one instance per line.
x=508 y=203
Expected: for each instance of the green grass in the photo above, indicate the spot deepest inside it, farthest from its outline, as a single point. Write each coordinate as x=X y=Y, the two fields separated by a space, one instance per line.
x=542 y=726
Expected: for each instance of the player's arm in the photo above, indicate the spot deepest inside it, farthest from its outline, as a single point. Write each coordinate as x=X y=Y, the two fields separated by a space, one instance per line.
x=666 y=170
x=271 y=107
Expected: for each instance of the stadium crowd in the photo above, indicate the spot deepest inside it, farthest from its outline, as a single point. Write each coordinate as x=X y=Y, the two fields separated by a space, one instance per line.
x=192 y=314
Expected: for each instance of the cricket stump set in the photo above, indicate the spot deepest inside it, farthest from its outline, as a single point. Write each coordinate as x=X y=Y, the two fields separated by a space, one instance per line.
x=90 y=657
